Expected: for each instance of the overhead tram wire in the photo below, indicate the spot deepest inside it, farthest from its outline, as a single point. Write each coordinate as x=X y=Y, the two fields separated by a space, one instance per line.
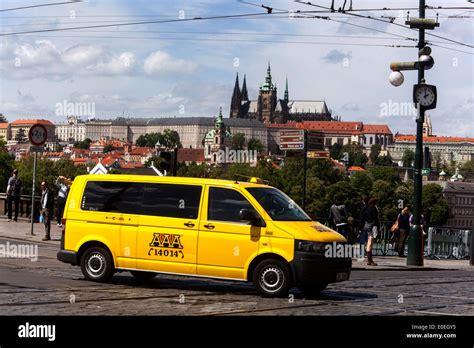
x=227 y=40
x=40 y=5
x=309 y=15
x=384 y=21
x=242 y=33
x=141 y=23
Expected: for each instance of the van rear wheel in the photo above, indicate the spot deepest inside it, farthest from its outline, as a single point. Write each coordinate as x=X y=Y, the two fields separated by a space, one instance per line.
x=272 y=278
x=97 y=264
x=142 y=275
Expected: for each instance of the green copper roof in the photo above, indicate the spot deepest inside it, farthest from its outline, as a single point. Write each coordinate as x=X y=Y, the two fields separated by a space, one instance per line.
x=268 y=85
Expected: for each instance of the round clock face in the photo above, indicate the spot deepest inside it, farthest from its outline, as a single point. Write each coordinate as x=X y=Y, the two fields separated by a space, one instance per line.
x=425 y=96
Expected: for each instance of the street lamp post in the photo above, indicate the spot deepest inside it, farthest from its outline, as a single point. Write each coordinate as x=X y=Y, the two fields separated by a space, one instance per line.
x=424 y=97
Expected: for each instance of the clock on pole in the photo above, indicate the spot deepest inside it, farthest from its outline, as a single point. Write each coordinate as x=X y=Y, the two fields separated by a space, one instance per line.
x=425 y=96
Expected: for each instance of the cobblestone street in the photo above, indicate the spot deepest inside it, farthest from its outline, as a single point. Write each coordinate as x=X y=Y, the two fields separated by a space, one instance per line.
x=50 y=287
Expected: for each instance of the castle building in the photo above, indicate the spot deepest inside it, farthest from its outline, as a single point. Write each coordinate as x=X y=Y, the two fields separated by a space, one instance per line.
x=268 y=108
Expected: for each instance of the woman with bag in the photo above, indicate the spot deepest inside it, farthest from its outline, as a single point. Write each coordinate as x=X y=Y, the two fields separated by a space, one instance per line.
x=403 y=222
x=371 y=223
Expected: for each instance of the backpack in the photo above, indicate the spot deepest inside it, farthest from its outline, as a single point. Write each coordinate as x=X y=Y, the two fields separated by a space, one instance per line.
x=16 y=187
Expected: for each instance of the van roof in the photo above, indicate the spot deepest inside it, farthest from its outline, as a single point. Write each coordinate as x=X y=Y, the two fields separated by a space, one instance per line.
x=166 y=179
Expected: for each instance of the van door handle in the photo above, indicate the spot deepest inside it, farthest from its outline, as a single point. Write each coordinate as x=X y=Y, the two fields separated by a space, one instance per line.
x=209 y=226
x=188 y=224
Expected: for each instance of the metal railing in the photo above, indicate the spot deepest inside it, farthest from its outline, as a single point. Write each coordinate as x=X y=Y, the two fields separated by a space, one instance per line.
x=24 y=206
x=448 y=243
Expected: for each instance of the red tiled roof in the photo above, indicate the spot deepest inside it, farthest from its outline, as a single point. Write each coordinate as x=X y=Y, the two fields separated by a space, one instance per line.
x=336 y=127
x=3 y=125
x=376 y=129
x=53 y=154
x=31 y=122
x=356 y=169
x=191 y=155
x=108 y=161
x=79 y=161
x=130 y=165
x=140 y=151
x=332 y=126
x=434 y=139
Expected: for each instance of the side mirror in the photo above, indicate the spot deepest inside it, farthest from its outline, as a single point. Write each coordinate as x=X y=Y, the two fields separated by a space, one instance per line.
x=252 y=217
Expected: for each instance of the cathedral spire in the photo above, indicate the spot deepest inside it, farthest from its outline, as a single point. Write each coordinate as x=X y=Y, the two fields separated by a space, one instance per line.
x=245 y=95
x=287 y=96
x=236 y=98
x=268 y=79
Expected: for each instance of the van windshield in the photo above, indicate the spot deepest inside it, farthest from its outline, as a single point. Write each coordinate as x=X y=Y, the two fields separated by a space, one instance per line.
x=279 y=206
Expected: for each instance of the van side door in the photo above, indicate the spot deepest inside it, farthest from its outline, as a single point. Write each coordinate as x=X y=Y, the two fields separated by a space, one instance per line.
x=226 y=244
x=168 y=231
x=108 y=215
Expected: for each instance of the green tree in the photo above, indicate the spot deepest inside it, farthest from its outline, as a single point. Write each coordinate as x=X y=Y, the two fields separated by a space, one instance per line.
x=255 y=144
x=467 y=169
x=362 y=183
x=6 y=166
x=385 y=161
x=374 y=153
x=150 y=140
x=434 y=204
x=408 y=157
x=153 y=160
x=357 y=157
x=335 y=151
x=85 y=144
x=389 y=174
x=20 y=136
x=108 y=148
x=238 y=141
x=171 y=139
x=3 y=119
x=383 y=191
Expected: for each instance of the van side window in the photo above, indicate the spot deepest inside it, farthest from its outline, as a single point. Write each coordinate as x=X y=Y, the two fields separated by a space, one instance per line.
x=168 y=200
x=225 y=204
x=118 y=197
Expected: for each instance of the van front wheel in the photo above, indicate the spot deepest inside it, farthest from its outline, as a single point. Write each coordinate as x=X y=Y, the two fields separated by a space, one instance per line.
x=96 y=264
x=272 y=278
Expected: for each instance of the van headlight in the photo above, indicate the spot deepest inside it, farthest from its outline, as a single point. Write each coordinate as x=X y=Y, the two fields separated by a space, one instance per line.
x=309 y=246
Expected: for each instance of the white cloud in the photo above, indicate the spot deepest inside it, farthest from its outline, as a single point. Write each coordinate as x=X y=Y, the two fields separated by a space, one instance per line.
x=42 y=59
x=161 y=62
x=82 y=55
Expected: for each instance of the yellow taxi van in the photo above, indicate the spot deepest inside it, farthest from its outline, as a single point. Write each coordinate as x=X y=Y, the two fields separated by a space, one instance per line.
x=232 y=230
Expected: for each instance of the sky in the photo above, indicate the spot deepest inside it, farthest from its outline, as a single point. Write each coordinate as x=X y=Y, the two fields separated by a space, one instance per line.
x=188 y=68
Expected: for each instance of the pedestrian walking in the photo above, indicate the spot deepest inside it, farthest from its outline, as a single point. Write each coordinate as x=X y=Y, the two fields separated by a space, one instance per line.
x=338 y=215
x=63 y=184
x=370 y=218
x=403 y=230
x=363 y=234
x=14 y=188
x=46 y=209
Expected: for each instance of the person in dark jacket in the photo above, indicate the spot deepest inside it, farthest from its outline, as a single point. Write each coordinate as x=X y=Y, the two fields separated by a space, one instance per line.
x=46 y=209
x=13 y=195
x=362 y=233
x=403 y=229
x=370 y=219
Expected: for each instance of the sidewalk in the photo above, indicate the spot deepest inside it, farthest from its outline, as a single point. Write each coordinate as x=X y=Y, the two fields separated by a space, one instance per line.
x=21 y=231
